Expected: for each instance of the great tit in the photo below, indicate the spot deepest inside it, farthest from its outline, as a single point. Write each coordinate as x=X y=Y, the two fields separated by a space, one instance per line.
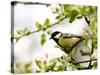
x=65 y=40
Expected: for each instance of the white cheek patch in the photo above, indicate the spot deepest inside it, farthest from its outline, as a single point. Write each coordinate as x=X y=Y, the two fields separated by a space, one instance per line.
x=58 y=35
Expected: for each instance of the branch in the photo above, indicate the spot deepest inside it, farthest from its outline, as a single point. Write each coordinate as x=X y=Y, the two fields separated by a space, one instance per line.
x=90 y=66
x=87 y=20
x=49 y=25
x=84 y=61
x=92 y=48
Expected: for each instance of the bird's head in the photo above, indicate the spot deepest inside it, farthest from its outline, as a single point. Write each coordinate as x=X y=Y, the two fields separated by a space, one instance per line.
x=55 y=35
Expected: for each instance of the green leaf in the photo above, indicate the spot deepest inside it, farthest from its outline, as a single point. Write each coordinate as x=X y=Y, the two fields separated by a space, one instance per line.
x=67 y=8
x=95 y=65
x=74 y=67
x=47 y=22
x=88 y=11
x=43 y=39
x=26 y=70
x=20 y=33
x=18 y=64
x=38 y=63
x=59 y=17
x=57 y=46
x=52 y=65
x=57 y=10
x=93 y=24
x=95 y=43
x=23 y=32
x=72 y=15
x=79 y=17
x=38 y=25
x=49 y=32
x=54 y=60
x=61 y=68
x=27 y=65
x=17 y=39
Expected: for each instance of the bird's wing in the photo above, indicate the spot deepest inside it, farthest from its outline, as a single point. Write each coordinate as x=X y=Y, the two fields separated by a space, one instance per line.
x=65 y=35
x=68 y=35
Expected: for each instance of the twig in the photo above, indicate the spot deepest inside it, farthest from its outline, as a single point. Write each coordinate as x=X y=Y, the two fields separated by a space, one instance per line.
x=87 y=20
x=49 y=25
x=84 y=61
x=92 y=47
x=90 y=66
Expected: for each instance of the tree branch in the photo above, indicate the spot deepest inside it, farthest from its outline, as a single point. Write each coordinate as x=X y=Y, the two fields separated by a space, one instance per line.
x=90 y=66
x=84 y=61
x=87 y=20
x=49 y=25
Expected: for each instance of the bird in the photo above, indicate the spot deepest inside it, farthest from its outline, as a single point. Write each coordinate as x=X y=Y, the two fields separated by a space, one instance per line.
x=65 y=40
x=68 y=40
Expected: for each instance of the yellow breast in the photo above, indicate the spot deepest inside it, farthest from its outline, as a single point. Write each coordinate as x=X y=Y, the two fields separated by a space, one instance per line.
x=68 y=42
